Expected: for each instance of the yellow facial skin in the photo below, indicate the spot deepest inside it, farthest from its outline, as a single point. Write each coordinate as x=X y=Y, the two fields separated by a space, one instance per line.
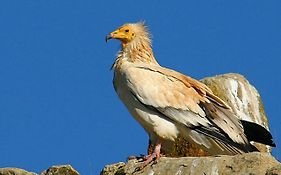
x=125 y=34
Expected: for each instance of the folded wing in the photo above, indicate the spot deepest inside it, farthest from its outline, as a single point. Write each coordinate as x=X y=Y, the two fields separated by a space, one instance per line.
x=186 y=101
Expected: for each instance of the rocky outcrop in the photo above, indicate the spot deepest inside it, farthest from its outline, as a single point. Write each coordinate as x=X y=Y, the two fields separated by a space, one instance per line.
x=250 y=163
x=15 y=171
x=60 y=170
x=242 y=97
x=276 y=170
x=54 y=170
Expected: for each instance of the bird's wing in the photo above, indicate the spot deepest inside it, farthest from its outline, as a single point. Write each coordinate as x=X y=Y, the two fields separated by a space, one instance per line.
x=184 y=100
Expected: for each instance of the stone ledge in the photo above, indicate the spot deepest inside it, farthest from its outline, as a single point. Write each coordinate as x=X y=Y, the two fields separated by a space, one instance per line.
x=248 y=163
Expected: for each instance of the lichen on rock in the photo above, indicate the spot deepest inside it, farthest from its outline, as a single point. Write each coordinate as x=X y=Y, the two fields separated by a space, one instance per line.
x=248 y=163
x=54 y=170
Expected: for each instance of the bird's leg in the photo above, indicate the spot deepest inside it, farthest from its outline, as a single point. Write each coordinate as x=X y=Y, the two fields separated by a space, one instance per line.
x=152 y=157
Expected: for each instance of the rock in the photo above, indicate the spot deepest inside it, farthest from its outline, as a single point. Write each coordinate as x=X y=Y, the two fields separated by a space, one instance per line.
x=114 y=169
x=242 y=97
x=248 y=163
x=14 y=171
x=274 y=170
x=60 y=170
x=54 y=170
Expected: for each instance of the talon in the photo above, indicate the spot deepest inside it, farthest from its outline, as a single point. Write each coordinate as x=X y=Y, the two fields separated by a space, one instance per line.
x=151 y=158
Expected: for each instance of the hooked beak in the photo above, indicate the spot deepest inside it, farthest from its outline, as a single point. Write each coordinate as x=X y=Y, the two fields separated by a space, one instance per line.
x=113 y=35
x=108 y=37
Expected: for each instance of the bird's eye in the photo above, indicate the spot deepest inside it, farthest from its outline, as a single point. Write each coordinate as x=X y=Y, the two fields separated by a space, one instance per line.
x=127 y=30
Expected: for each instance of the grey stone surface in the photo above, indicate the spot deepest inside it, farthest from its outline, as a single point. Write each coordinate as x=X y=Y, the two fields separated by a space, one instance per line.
x=14 y=171
x=276 y=170
x=248 y=163
x=242 y=97
x=54 y=170
x=60 y=170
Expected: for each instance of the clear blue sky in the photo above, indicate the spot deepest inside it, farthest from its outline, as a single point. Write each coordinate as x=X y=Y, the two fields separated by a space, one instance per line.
x=57 y=103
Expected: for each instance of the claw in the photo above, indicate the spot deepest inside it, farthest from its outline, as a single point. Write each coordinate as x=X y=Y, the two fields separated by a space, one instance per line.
x=146 y=160
x=154 y=157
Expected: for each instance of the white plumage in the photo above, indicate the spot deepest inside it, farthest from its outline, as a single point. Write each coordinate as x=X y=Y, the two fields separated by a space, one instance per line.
x=167 y=103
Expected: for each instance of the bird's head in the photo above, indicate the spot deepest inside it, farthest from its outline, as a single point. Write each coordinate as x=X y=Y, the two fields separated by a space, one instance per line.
x=129 y=33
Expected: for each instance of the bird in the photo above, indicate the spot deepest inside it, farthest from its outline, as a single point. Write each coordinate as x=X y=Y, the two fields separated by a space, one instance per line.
x=169 y=104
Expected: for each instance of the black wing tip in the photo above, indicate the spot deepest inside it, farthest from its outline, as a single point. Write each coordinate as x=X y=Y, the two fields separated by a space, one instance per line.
x=273 y=144
x=257 y=133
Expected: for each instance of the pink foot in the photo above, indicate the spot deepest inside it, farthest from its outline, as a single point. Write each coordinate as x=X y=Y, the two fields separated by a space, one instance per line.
x=154 y=157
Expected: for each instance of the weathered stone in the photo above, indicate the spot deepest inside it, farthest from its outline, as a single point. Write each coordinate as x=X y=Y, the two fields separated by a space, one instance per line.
x=15 y=171
x=276 y=170
x=60 y=170
x=242 y=97
x=248 y=163
x=114 y=169
x=54 y=170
